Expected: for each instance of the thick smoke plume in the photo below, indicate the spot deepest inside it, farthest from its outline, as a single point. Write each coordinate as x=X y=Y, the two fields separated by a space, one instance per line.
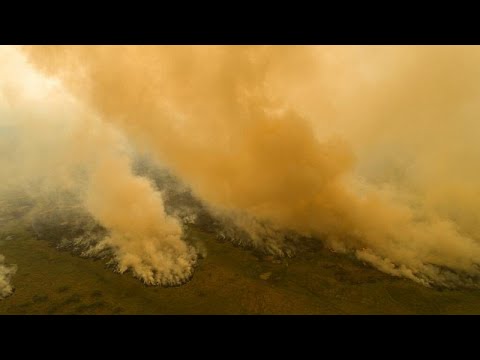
x=144 y=238
x=369 y=149
x=60 y=161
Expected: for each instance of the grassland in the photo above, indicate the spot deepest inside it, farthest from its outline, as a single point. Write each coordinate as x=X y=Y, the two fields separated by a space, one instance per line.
x=229 y=280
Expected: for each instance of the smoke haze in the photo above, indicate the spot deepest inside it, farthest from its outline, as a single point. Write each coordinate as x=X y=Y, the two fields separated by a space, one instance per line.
x=371 y=150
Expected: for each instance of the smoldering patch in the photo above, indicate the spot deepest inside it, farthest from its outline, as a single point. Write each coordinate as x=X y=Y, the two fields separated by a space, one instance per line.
x=6 y=274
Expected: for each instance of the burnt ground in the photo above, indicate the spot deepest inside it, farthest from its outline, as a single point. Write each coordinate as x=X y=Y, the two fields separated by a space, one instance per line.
x=53 y=279
x=229 y=280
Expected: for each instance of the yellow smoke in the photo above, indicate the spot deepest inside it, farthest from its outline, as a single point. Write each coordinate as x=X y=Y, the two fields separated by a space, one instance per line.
x=371 y=149
x=54 y=140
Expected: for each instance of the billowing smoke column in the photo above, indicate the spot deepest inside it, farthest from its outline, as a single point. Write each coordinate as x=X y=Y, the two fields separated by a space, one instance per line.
x=143 y=237
x=370 y=149
x=60 y=157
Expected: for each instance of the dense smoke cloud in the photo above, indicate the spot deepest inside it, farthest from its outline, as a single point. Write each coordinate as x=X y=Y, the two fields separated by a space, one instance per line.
x=64 y=161
x=369 y=149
